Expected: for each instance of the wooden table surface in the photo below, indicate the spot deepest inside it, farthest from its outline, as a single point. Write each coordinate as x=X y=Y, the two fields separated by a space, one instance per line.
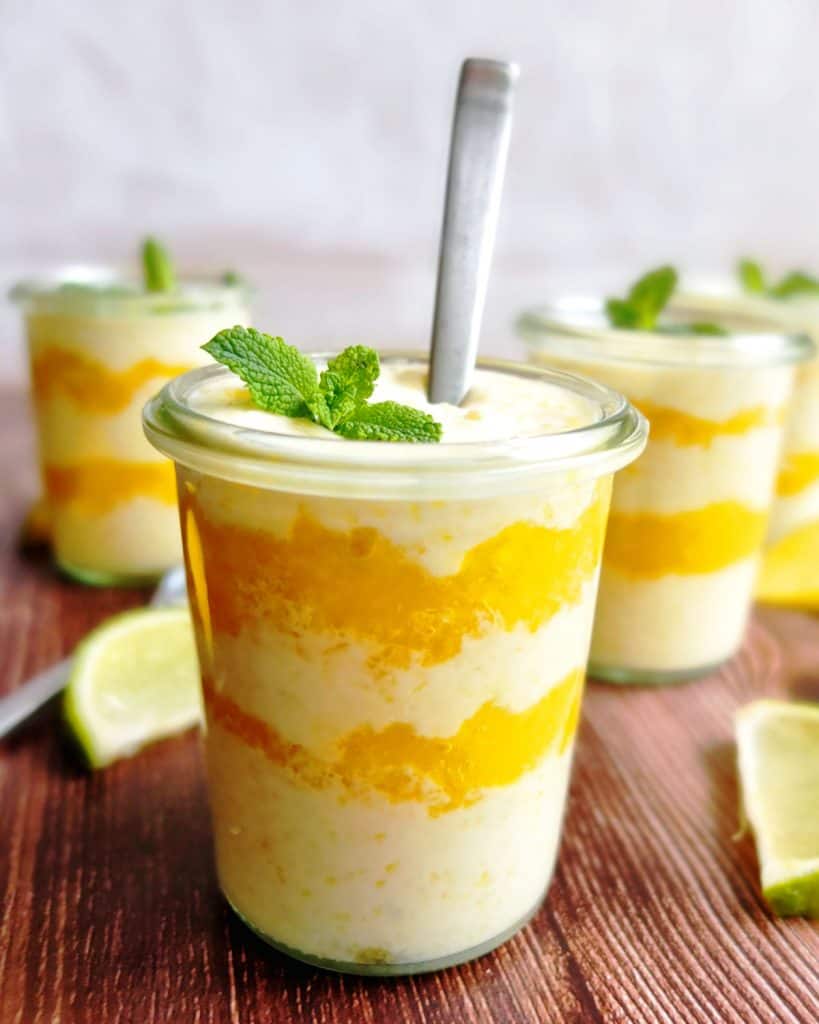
x=110 y=911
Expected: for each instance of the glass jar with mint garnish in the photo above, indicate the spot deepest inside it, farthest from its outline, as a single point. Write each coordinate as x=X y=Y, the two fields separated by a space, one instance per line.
x=790 y=563
x=689 y=519
x=100 y=344
x=393 y=601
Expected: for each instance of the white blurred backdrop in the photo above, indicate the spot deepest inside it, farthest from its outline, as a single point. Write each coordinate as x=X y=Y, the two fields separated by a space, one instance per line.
x=305 y=144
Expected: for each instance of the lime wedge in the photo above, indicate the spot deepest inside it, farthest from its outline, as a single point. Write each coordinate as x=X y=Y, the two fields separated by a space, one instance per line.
x=135 y=679
x=778 y=750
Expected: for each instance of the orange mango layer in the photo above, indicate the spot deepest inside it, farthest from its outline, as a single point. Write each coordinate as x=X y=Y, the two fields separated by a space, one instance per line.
x=92 y=385
x=702 y=540
x=97 y=486
x=684 y=429
x=494 y=747
x=799 y=471
x=790 y=569
x=364 y=587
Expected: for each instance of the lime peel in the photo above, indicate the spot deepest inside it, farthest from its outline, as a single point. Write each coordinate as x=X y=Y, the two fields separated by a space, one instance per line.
x=135 y=680
x=778 y=758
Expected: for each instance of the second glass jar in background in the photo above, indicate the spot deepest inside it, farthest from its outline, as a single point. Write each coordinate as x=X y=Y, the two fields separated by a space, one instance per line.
x=689 y=518
x=99 y=348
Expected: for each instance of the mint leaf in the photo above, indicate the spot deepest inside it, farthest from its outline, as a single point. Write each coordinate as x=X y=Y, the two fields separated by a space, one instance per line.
x=645 y=301
x=231 y=279
x=348 y=382
x=698 y=327
x=795 y=283
x=751 y=277
x=390 y=421
x=650 y=295
x=282 y=380
x=157 y=267
x=621 y=313
x=279 y=378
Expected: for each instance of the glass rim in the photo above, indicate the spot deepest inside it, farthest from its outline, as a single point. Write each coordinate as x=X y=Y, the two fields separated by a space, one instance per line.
x=50 y=291
x=576 y=325
x=315 y=465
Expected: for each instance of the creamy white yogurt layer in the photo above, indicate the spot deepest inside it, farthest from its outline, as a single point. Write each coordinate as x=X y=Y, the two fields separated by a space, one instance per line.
x=498 y=407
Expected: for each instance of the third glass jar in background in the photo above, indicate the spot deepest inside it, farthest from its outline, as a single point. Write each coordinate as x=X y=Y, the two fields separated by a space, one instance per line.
x=689 y=518
x=790 y=562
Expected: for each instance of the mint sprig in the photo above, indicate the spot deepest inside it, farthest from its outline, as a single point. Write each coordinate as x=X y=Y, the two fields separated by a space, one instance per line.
x=797 y=282
x=282 y=380
x=646 y=299
x=157 y=268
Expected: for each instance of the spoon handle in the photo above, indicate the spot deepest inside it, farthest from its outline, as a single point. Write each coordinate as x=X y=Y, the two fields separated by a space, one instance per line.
x=477 y=159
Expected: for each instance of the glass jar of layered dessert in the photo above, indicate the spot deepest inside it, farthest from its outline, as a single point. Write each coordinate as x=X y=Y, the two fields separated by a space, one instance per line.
x=99 y=348
x=688 y=520
x=790 y=562
x=393 y=640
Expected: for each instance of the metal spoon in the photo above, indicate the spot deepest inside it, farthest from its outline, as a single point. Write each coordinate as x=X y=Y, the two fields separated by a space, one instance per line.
x=477 y=160
x=27 y=699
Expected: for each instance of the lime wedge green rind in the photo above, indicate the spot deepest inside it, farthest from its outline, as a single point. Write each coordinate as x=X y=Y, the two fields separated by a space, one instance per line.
x=134 y=680
x=798 y=897
x=778 y=760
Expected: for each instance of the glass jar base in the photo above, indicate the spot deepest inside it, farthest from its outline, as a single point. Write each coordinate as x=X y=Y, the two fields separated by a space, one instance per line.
x=387 y=970
x=103 y=578
x=651 y=677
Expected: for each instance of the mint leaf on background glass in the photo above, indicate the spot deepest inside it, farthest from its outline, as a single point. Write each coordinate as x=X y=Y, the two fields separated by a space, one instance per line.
x=157 y=267
x=641 y=308
x=797 y=282
x=282 y=380
x=751 y=276
x=646 y=299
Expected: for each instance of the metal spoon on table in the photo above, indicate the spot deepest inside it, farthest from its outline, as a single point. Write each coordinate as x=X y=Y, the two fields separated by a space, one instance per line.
x=481 y=130
x=18 y=706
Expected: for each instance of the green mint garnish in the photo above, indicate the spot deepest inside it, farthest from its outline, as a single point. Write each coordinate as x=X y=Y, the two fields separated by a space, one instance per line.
x=157 y=267
x=797 y=282
x=640 y=310
x=645 y=301
x=752 y=277
x=389 y=421
x=704 y=327
x=698 y=327
x=231 y=279
x=282 y=380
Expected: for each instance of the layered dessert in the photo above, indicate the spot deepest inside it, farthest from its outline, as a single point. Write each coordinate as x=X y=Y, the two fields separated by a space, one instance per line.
x=790 y=564
x=392 y=659
x=689 y=519
x=97 y=355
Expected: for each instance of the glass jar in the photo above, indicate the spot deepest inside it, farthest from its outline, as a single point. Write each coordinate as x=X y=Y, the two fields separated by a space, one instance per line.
x=99 y=347
x=392 y=640
x=688 y=520
x=790 y=560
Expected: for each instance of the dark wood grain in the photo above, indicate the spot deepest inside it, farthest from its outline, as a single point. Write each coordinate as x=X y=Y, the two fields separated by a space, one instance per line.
x=110 y=911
